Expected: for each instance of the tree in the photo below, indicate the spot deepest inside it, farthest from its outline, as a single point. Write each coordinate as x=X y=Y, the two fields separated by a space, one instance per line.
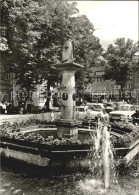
x=119 y=61
x=35 y=31
x=32 y=33
x=87 y=49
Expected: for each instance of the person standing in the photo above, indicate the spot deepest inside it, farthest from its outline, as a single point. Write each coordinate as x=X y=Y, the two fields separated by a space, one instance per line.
x=4 y=108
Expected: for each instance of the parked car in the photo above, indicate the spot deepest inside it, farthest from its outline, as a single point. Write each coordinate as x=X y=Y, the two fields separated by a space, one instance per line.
x=110 y=106
x=118 y=104
x=124 y=112
x=83 y=112
x=96 y=106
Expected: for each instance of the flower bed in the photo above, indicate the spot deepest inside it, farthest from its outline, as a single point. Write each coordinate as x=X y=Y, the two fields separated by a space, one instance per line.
x=11 y=133
x=130 y=133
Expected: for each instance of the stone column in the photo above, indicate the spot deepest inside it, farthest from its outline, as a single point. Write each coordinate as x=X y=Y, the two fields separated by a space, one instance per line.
x=67 y=126
x=67 y=95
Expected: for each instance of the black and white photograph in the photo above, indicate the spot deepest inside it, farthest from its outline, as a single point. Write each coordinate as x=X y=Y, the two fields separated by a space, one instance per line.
x=69 y=97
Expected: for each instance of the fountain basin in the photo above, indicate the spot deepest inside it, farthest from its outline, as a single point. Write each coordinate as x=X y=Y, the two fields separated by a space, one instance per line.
x=45 y=154
x=49 y=150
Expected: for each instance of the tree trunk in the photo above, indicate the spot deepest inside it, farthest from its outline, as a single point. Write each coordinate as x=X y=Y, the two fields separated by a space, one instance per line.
x=26 y=99
x=48 y=97
x=122 y=93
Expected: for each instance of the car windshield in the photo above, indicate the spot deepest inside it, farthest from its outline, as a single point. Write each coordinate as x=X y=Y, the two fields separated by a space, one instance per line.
x=108 y=105
x=97 y=107
x=81 y=109
x=127 y=108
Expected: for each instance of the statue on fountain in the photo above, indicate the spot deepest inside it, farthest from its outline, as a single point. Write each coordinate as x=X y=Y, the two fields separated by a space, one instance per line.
x=67 y=53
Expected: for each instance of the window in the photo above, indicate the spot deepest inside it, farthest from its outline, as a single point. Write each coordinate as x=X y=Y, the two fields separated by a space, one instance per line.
x=124 y=108
x=130 y=86
x=95 y=79
x=100 y=73
x=96 y=107
x=81 y=110
x=98 y=79
x=101 y=79
x=127 y=108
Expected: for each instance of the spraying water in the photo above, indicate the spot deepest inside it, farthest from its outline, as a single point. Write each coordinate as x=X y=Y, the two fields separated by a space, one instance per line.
x=102 y=164
x=106 y=158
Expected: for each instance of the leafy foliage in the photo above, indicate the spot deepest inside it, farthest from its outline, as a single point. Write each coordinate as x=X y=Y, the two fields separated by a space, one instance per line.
x=119 y=61
x=87 y=49
x=33 y=35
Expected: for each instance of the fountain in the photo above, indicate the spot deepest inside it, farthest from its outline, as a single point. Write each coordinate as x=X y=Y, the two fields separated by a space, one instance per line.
x=67 y=126
x=44 y=145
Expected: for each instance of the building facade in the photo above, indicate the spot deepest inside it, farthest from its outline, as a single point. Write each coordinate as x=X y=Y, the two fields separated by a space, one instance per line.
x=107 y=89
x=10 y=92
x=98 y=90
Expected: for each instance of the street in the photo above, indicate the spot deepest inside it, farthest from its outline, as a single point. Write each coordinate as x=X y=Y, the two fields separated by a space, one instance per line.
x=24 y=117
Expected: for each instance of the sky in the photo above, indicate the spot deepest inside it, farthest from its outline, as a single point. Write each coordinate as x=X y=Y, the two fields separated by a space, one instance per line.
x=112 y=19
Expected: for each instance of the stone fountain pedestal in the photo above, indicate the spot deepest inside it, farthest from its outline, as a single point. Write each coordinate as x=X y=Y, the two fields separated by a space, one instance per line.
x=67 y=126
